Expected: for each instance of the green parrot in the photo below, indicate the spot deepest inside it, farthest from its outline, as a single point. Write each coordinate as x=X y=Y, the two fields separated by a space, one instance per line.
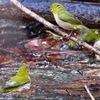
x=66 y=20
x=18 y=82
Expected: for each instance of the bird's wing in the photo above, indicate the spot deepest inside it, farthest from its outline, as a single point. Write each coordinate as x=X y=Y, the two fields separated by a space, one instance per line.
x=14 y=81
x=20 y=80
x=67 y=17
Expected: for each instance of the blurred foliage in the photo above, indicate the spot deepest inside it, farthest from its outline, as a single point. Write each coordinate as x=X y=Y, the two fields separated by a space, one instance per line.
x=86 y=37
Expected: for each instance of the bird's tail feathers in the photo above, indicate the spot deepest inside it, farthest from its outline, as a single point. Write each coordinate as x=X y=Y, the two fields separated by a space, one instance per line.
x=86 y=29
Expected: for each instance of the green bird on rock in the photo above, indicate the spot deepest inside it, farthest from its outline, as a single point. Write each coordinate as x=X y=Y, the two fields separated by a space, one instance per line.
x=66 y=20
x=19 y=82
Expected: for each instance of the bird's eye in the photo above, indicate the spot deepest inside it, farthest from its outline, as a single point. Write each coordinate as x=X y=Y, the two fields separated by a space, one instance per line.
x=57 y=6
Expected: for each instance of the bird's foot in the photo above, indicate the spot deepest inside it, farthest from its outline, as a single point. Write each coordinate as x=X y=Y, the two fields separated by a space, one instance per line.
x=70 y=34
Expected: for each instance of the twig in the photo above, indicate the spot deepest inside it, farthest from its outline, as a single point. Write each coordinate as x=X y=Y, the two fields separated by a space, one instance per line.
x=53 y=27
x=89 y=93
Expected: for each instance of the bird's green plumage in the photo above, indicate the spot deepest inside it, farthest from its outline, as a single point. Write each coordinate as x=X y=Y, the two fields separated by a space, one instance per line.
x=21 y=78
x=65 y=19
x=86 y=37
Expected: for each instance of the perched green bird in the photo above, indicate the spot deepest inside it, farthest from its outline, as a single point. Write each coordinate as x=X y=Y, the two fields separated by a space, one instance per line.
x=65 y=19
x=18 y=82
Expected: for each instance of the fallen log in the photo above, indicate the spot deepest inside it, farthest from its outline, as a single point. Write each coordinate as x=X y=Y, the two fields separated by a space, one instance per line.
x=87 y=13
